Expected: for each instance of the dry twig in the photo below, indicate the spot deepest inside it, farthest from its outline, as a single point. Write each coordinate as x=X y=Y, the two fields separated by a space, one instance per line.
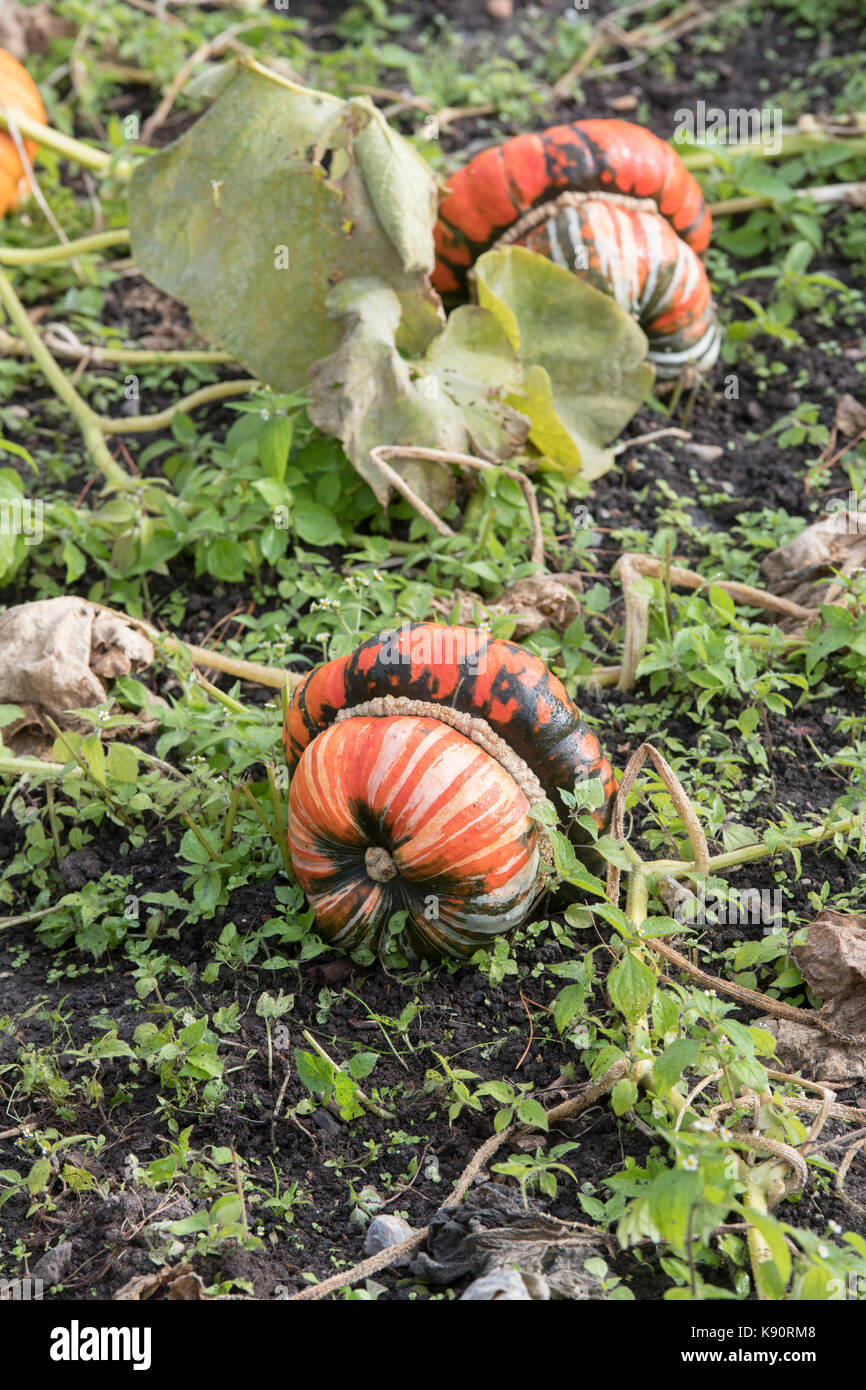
x=386 y=451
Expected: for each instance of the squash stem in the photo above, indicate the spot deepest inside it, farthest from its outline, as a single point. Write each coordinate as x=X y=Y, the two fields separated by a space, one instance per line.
x=87 y=419
x=63 y=251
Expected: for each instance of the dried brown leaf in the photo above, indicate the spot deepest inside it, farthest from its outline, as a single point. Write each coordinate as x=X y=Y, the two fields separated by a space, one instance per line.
x=54 y=655
x=535 y=602
x=806 y=569
x=833 y=957
x=145 y=1285
x=832 y=960
x=850 y=416
x=25 y=30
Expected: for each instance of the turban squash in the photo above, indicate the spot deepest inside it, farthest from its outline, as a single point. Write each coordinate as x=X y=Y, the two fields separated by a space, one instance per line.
x=416 y=760
x=606 y=199
x=18 y=95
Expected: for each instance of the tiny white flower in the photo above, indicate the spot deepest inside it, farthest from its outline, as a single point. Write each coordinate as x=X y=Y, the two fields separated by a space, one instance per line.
x=823 y=1251
x=835 y=1227
x=690 y=1164
x=265 y=413
x=378 y=576
x=726 y=1135
x=321 y=636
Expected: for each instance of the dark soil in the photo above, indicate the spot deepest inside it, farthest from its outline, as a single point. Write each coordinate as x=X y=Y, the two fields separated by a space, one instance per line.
x=488 y=1026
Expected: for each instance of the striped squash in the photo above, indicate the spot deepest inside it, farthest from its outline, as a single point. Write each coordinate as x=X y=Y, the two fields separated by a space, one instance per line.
x=611 y=201
x=405 y=813
x=465 y=669
x=416 y=760
x=635 y=256
x=499 y=185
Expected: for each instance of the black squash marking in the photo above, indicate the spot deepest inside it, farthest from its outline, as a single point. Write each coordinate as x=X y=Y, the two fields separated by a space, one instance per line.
x=559 y=749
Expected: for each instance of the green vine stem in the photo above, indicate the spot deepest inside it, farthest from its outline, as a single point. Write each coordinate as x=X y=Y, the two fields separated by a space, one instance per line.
x=88 y=421
x=793 y=142
x=10 y=766
x=101 y=356
x=854 y=193
x=363 y=1099
x=274 y=677
x=208 y=848
x=63 y=251
x=282 y=832
x=747 y=854
x=26 y=917
x=86 y=156
x=142 y=424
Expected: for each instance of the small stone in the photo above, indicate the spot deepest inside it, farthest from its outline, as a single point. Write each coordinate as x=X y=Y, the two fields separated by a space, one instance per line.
x=506 y=1285
x=327 y=1122
x=707 y=453
x=627 y=102
x=385 y=1231
x=54 y=1264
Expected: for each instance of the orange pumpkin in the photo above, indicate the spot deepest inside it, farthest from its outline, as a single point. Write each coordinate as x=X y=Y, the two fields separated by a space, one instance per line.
x=19 y=95
x=416 y=761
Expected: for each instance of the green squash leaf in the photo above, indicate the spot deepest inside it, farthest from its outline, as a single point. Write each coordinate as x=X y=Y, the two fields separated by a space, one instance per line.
x=589 y=354
x=254 y=214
